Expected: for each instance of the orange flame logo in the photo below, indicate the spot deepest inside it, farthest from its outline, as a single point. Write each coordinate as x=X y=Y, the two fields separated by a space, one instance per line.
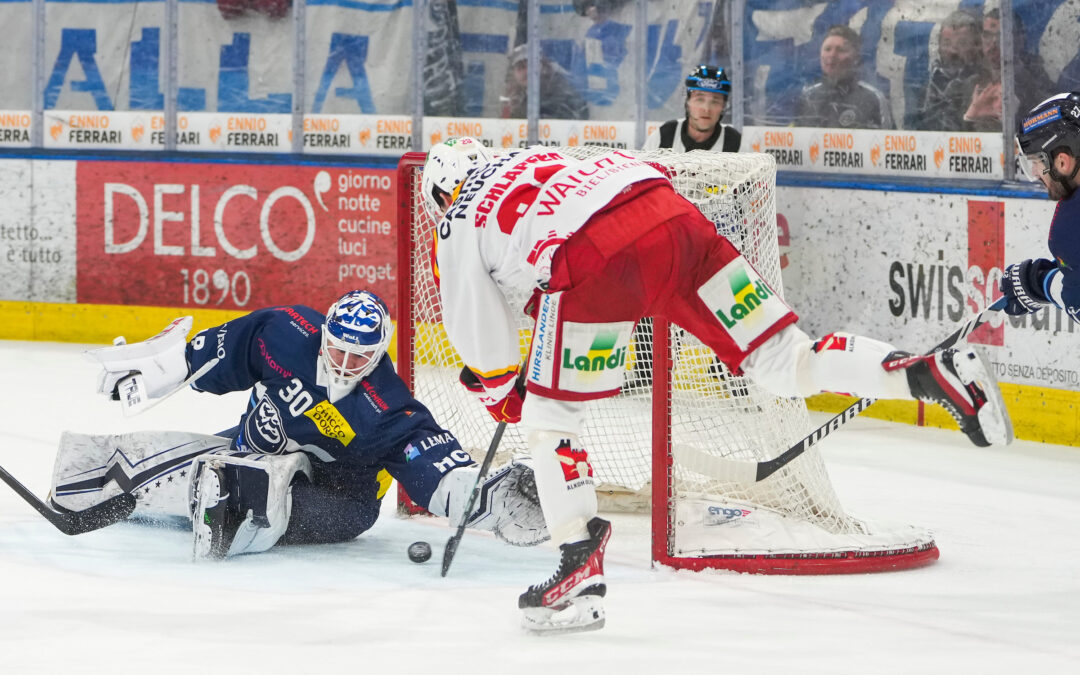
x=573 y=140
x=875 y=154
x=939 y=156
x=290 y=135
x=756 y=145
x=137 y=132
x=436 y=138
x=507 y=140
x=814 y=152
x=55 y=130
x=365 y=136
x=215 y=133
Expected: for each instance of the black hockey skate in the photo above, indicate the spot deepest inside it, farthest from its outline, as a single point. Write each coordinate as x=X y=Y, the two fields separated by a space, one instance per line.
x=960 y=381
x=214 y=522
x=572 y=599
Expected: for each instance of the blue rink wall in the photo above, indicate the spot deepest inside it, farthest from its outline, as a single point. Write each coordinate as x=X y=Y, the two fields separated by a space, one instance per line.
x=899 y=262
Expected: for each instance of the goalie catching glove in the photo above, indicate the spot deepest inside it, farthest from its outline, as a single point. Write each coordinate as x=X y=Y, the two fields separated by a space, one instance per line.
x=160 y=360
x=507 y=505
x=503 y=395
x=1026 y=285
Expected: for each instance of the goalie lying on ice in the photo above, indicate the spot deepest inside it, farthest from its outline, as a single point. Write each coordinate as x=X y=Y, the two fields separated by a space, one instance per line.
x=328 y=423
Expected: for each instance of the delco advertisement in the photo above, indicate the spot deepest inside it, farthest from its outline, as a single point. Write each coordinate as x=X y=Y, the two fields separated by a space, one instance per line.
x=232 y=236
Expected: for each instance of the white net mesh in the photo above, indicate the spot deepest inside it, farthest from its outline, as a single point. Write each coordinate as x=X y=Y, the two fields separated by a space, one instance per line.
x=713 y=413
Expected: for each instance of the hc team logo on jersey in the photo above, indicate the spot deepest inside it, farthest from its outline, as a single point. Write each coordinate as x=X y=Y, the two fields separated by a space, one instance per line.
x=743 y=303
x=263 y=428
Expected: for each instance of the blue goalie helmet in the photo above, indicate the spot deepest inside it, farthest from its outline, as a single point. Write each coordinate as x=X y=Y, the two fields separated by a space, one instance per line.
x=709 y=78
x=354 y=338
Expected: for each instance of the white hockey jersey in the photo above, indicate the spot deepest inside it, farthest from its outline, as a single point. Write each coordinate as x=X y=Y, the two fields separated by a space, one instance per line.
x=500 y=234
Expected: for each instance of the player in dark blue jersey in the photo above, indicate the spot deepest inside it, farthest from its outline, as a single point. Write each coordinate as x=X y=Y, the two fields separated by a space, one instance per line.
x=327 y=424
x=1048 y=147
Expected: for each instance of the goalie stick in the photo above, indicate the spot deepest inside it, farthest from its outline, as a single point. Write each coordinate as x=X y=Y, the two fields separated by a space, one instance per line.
x=753 y=472
x=101 y=515
x=453 y=542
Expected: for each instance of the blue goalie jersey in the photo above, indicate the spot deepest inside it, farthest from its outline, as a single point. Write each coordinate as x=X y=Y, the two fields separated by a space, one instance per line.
x=377 y=429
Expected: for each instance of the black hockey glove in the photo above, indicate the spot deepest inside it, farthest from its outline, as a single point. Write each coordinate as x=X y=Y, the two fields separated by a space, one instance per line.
x=1022 y=285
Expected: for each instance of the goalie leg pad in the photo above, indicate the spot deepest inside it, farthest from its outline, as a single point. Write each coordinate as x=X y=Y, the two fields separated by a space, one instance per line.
x=241 y=503
x=507 y=504
x=155 y=466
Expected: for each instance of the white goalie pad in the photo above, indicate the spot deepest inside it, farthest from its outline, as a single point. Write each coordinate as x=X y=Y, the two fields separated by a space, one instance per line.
x=257 y=489
x=160 y=360
x=155 y=466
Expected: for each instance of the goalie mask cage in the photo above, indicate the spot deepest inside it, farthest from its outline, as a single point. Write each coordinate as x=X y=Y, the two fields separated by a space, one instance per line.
x=680 y=415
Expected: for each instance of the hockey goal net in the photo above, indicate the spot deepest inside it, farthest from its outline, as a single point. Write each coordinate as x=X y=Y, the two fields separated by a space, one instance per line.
x=681 y=414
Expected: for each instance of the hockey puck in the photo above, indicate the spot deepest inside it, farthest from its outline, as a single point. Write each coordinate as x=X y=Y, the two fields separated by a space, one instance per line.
x=419 y=551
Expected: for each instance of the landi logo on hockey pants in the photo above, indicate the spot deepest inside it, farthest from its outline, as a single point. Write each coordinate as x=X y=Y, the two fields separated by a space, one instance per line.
x=592 y=356
x=602 y=355
x=743 y=303
x=571 y=461
x=748 y=297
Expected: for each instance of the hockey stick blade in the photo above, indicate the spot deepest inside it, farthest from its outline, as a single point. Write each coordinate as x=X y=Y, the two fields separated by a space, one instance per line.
x=101 y=515
x=454 y=541
x=745 y=472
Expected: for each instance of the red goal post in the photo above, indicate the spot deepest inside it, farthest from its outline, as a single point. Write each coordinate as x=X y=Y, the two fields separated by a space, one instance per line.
x=654 y=445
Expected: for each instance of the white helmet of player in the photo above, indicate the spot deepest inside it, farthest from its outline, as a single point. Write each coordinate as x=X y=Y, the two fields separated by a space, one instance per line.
x=447 y=165
x=355 y=336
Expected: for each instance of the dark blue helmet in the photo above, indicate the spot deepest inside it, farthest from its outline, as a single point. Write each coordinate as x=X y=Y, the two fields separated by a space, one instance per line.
x=1050 y=126
x=709 y=78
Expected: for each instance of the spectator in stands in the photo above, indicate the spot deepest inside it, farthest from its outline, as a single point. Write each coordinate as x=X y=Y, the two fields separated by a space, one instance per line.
x=959 y=55
x=707 y=91
x=982 y=92
x=558 y=98
x=839 y=98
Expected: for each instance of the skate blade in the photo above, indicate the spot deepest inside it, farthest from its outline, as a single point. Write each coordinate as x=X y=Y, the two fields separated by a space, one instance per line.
x=993 y=416
x=584 y=613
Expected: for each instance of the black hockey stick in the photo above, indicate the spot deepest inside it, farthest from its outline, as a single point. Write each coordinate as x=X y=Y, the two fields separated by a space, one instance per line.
x=453 y=542
x=753 y=472
x=101 y=515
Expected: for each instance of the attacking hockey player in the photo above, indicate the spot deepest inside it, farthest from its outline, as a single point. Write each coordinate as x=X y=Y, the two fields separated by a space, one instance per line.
x=602 y=243
x=327 y=424
x=1048 y=147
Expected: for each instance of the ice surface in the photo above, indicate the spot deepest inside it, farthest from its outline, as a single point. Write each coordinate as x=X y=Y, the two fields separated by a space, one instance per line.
x=1003 y=598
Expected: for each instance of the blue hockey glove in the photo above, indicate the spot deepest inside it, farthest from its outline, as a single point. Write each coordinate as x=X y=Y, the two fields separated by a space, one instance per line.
x=1022 y=285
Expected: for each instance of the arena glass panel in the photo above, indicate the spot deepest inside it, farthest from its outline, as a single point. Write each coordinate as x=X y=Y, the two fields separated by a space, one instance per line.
x=103 y=55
